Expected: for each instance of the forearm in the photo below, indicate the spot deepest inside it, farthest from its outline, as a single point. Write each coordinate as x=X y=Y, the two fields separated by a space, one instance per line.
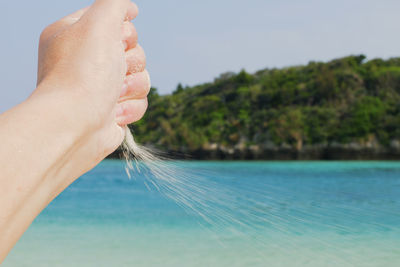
x=37 y=137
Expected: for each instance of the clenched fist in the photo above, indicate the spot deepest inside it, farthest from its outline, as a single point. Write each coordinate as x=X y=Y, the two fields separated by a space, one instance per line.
x=92 y=58
x=92 y=82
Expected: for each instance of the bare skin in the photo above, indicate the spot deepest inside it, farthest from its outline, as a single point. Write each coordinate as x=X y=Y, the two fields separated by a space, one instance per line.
x=91 y=83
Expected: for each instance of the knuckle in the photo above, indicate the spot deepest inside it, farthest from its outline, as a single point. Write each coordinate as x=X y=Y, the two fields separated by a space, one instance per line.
x=133 y=11
x=44 y=34
x=136 y=60
x=129 y=34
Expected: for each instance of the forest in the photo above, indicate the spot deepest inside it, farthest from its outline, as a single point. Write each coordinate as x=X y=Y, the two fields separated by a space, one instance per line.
x=348 y=105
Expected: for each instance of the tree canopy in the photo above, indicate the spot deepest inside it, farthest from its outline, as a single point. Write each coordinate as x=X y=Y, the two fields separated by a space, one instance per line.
x=342 y=101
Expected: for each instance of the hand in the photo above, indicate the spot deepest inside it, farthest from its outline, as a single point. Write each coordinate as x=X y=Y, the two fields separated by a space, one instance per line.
x=91 y=60
x=91 y=83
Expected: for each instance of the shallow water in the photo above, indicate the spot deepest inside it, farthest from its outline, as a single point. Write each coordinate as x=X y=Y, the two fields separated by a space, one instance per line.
x=294 y=214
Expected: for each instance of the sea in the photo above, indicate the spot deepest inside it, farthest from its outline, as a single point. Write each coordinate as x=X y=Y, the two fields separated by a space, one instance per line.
x=265 y=214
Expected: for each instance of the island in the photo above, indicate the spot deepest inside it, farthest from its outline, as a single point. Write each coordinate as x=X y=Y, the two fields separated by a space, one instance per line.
x=345 y=109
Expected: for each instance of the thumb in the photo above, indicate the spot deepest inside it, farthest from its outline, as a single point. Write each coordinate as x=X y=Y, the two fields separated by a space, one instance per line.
x=110 y=14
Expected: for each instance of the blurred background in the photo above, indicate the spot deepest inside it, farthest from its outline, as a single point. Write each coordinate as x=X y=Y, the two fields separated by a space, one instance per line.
x=233 y=80
x=194 y=42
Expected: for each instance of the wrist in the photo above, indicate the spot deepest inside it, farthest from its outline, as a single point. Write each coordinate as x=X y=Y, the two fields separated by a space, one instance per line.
x=62 y=109
x=41 y=137
x=71 y=120
x=52 y=122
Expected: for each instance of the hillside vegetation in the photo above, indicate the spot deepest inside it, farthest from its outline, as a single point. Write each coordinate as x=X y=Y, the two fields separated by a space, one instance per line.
x=339 y=103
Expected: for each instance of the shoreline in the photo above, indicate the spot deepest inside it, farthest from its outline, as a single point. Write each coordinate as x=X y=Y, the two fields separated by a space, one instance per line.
x=290 y=154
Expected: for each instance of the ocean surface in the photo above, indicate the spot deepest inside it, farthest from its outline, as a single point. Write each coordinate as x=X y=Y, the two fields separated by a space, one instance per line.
x=266 y=214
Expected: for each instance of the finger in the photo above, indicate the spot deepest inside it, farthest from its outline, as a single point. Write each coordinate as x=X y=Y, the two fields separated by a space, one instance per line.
x=130 y=111
x=61 y=24
x=76 y=15
x=110 y=14
x=135 y=60
x=132 y=12
x=136 y=86
x=129 y=35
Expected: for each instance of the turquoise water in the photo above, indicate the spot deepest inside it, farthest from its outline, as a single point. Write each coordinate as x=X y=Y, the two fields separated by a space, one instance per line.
x=289 y=214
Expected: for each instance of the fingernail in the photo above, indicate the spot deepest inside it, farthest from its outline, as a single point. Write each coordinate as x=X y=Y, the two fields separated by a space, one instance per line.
x=124 y=89
x=120 y=111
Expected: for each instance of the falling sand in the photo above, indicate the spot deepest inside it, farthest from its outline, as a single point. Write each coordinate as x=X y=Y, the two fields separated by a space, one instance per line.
x=249 y=212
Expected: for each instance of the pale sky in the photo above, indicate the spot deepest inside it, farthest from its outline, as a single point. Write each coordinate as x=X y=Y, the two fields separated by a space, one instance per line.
x=193 y=41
